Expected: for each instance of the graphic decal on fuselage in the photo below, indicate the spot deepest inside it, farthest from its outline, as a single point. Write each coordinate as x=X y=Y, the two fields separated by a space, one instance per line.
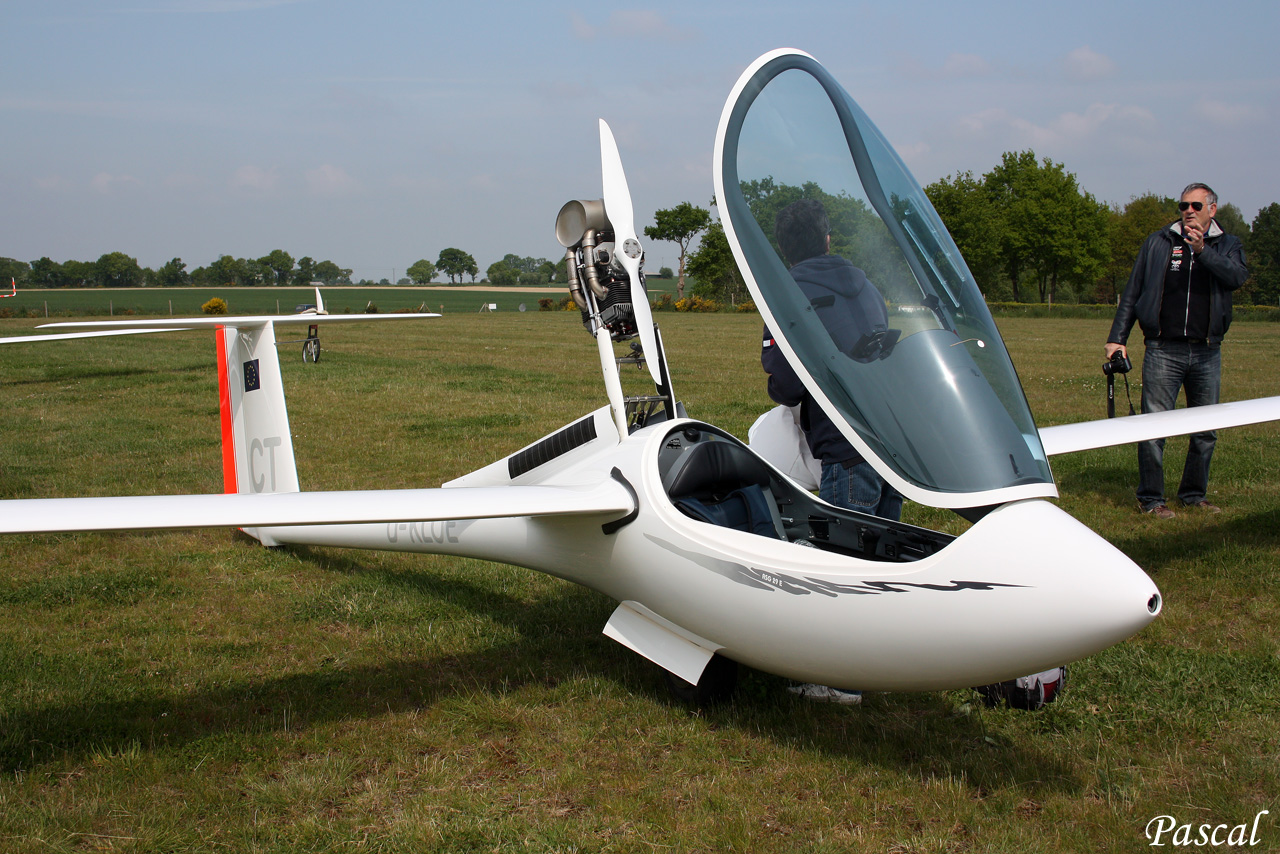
x=763 y=579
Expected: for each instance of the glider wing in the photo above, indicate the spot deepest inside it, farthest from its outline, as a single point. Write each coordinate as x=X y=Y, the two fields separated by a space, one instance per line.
x=66 y=336
x=1085 y=435
x=609 y=498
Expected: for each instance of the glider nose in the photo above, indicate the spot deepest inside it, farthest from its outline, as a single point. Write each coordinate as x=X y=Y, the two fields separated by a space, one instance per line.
x=1083 y=594
x=1094 y=579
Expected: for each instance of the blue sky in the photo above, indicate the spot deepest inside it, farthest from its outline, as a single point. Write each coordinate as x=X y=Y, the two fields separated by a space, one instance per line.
x=375 y=133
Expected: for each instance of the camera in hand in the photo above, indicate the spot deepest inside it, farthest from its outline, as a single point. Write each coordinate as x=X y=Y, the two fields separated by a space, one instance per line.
x=1118 y=364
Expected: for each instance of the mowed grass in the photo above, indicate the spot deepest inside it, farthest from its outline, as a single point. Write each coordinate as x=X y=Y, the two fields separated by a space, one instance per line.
x=193 y=691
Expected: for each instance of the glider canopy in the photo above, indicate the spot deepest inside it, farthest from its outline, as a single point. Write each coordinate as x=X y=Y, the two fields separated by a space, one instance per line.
x=930 y=398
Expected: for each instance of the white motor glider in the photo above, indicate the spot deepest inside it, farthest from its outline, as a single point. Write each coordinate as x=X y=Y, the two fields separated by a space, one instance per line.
x=714 y=554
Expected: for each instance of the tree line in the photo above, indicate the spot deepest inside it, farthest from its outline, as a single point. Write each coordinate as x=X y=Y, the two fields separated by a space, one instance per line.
x=1026 y=229
x=277 y=268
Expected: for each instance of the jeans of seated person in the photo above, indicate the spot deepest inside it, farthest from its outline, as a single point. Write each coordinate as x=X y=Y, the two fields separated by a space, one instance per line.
x=860 y=488
x=1167 y=367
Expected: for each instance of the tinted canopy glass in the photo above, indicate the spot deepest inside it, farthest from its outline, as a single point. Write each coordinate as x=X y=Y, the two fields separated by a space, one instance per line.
x=891 y=334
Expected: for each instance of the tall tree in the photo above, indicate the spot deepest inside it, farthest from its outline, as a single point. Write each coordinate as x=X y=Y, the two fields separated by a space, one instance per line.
x=225 y=271
x=172 y=274
x=1141 y=217
x=330 y=273
x=1263 y=256
x=1232 y=221
x=455 y=264
x=422 y=271
x=305 y=273
x=502 y=274
x=80 y=274
x=46 y=273
x=679 y=225
x=1051 y=232
x=118 y=270
x=13 y=269
x=965 y=209
x=713 y=265
x=280 y=264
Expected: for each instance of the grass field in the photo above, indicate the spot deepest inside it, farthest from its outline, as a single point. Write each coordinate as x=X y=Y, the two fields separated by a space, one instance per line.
x=166 y=692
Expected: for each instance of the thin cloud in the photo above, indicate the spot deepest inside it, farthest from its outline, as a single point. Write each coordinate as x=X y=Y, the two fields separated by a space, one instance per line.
x=256 y=180
x=581 y=29
x=1222 y=113
x=330 y=180
x=105 y=183
x=956 y=66
x=1084 y=64
x=631 y=24
x=210 y=7
x=966 y=65
x=1098 y=123
x=54 y=183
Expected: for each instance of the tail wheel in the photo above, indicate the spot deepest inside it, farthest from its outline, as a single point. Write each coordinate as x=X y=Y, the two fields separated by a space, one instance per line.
x=717 y=684
x=311 y=350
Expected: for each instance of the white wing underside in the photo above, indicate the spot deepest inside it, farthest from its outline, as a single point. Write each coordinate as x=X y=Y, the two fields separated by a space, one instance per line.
x=67 y=336
x=608 y=498
x=1086 y=435
x=100 y=328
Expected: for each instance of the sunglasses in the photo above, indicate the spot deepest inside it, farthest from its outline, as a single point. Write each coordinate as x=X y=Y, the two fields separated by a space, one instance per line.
x=1196 y=206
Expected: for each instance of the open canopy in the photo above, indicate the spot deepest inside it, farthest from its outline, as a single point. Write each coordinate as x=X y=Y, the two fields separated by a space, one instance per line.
x=927 y=391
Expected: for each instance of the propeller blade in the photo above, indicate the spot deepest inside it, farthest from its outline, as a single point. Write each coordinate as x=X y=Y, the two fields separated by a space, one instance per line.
x=617 y=206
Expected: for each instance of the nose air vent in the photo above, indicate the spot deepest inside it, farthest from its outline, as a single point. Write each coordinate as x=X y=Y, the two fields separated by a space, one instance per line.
x=1154 y=603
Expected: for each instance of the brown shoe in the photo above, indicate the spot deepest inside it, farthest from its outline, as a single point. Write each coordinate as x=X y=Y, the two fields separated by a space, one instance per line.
x=1160 y=511
x=1205 y=506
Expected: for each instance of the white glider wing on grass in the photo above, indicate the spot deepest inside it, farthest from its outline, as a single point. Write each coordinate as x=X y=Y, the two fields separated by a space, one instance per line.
x=156 y=512
x=1086 y=435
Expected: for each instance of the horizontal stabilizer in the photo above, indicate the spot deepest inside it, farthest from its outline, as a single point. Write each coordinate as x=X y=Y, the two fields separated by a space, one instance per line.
x=138 y=512
x=1069 y=438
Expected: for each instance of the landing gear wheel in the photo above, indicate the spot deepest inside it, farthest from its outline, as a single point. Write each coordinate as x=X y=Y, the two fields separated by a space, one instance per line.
x=716 y=686
x=311 y=350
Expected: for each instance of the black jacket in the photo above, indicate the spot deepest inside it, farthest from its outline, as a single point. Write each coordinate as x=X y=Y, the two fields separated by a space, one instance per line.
x=1223 y=257
x=850 y=307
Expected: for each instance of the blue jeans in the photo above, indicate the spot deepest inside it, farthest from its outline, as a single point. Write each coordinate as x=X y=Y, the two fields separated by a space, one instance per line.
x=859 y=488
x=1167 y=367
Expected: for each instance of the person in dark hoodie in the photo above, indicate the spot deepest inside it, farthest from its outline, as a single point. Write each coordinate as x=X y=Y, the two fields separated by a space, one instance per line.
x=1180 y=295
x=851 y=308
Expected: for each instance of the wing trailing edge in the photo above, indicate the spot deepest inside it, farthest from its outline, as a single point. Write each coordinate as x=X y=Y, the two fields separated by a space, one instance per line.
x=1106 y=432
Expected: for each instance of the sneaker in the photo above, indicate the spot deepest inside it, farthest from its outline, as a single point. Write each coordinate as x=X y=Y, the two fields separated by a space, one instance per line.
x=1205 y=506
x=825 y=694
x=1160 y=511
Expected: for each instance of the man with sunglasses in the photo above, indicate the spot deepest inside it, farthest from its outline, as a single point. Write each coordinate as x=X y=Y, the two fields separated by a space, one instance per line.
x=1180 y=295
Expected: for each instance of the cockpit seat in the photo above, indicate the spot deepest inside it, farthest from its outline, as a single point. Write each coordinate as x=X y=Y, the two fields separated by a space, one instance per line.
x=727 y=485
